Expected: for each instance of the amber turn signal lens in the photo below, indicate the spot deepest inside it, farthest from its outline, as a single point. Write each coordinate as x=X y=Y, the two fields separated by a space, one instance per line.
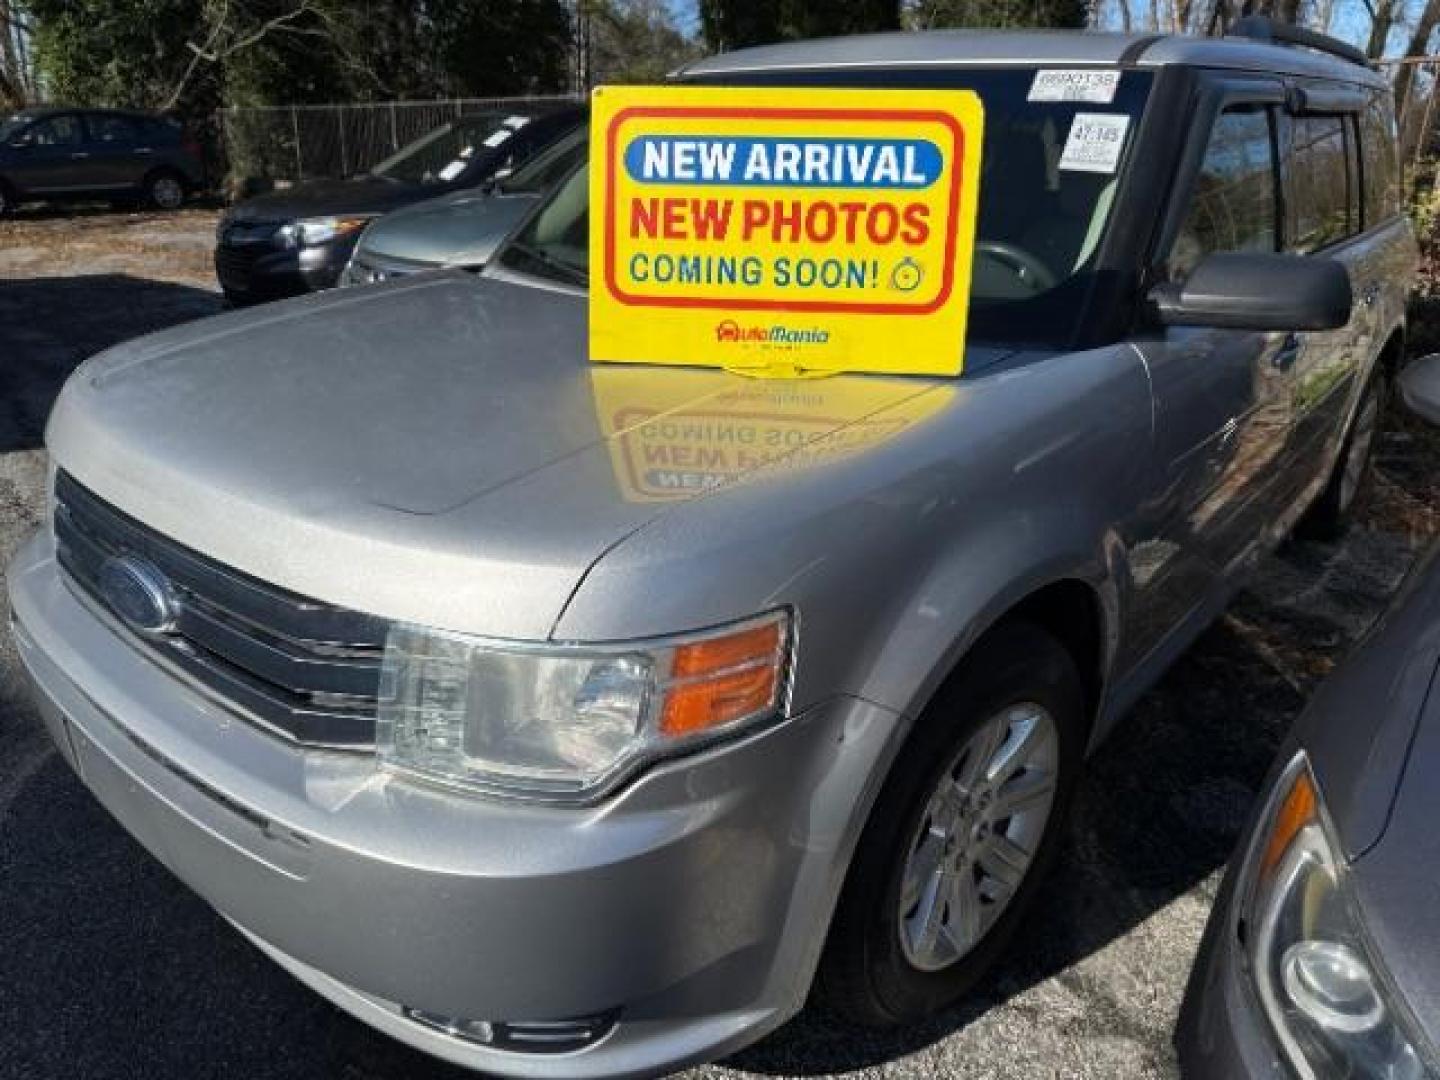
x=718 y=654
x=717 y=702
x=1299 y=808
x=720 y=680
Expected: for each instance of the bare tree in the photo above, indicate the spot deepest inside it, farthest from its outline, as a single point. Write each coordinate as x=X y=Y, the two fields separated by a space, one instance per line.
x=1419 y=45
x=17 y=79
x=1383 y=16
x=229 y=31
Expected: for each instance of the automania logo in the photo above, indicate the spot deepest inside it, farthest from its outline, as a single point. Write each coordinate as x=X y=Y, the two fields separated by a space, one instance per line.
x=729 y=331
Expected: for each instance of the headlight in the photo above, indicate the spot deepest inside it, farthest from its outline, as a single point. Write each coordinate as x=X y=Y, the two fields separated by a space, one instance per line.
x=308 y=232
x=1323 y=990
x=566 y=722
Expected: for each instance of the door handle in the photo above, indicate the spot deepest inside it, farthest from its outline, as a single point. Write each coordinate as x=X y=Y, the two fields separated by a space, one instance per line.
x=1370 y=296
x=79 y=156
x=1289 y=351
x=143 y=150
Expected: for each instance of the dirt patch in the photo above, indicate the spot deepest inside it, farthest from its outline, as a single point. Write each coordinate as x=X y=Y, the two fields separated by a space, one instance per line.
x=161 y=246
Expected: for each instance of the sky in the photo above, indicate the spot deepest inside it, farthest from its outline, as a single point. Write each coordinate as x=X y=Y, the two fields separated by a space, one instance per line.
x=686 y=14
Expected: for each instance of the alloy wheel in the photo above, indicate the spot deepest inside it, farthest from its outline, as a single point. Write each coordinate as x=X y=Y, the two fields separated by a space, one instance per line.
x=980 y=831
x=167 y=192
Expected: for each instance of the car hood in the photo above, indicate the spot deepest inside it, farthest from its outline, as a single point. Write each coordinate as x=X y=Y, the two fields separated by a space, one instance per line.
x=458 y=230
x=1396 y=885
x=323 y=198
x=1393 y=801
x=437 y=450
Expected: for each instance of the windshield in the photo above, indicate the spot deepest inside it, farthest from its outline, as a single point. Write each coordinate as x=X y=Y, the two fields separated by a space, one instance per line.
x=460 y=147
x=548 y=168
x=1044 y=205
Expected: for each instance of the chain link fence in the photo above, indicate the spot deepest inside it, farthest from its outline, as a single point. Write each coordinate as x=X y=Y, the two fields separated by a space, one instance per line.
x=269 y=145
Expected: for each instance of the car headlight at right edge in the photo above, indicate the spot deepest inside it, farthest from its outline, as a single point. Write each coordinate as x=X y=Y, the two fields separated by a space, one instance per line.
x=1328 y=1000
x=566 y=722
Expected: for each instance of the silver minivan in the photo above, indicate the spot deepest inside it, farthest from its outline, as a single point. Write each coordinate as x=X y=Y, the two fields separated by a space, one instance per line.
x=569 y=720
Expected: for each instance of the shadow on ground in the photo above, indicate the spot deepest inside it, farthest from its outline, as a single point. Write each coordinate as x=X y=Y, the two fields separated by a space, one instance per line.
x=48 y=326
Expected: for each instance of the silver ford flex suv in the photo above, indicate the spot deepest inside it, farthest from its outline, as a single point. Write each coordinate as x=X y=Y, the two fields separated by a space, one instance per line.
x=565 y=719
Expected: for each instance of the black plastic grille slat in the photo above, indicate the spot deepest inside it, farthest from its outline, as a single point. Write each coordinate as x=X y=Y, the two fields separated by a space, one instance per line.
x=306 y=669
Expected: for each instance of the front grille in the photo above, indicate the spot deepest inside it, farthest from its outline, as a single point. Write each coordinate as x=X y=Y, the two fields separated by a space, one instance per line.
x=233 y=265
x=248 y=232
x=367 y=268
x=303 y=669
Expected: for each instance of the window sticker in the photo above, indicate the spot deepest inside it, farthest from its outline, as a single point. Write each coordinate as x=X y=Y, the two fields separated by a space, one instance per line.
x=516 y=122
x=454 y=169
x=495 y=138
x=1095 y=143
x=1075 y=84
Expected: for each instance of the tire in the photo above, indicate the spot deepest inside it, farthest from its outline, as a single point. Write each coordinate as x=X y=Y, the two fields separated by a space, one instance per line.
x=165 y=189
x=876 y=970
x=1328 y=518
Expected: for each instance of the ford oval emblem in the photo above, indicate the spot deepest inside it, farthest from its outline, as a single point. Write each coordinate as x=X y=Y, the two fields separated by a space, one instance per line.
x=138 y=592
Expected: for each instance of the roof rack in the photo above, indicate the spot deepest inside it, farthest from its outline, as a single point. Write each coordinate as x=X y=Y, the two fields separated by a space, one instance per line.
x=1264 y=28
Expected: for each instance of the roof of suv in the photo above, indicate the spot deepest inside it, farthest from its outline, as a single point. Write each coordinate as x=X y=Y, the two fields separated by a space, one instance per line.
x=963 y=48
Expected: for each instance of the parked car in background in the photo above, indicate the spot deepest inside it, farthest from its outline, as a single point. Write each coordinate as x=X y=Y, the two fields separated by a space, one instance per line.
x=1320 y=956
x=60 y=154
x=570 y=720
x=299 y=239
x=465 y=228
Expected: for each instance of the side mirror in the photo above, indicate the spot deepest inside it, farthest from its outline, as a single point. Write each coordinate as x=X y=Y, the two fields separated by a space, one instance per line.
x=1420 y=387
x=24 y=142
x=1258 y=292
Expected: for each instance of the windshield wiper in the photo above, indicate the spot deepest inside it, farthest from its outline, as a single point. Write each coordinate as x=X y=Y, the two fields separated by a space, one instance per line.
x=559 y=267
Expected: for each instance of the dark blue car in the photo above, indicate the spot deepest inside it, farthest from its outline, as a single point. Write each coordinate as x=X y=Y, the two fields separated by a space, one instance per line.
x=56 y=154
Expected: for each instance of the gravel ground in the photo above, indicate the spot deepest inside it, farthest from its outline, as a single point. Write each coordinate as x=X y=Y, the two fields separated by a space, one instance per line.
x=110 y=968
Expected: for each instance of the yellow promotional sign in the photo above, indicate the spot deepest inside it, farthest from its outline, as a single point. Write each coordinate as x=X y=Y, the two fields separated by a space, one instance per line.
x=783 y=231
x=678 y=434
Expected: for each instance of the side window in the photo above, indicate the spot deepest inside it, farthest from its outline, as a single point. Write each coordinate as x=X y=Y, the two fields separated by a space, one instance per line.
x=111 y=129
x=1324 y=203
x=1380 y=166
x=56 y=131
x=1233 y=205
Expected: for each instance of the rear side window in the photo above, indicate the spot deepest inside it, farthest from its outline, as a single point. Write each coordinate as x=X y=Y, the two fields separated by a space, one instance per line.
x=1324 y=203
x=107 y=129
x=1381 y=169
x=1232 y=207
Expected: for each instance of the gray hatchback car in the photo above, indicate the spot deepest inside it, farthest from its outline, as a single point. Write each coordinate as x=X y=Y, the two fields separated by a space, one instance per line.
x=568 y=720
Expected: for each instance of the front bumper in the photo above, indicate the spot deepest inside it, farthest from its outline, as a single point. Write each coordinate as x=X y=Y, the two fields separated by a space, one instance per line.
x=694 y=903
x=1222 y=1034
x=261 y=271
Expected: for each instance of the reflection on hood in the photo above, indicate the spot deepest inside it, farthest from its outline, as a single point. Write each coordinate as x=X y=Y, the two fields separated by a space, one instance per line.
x=675 y=434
